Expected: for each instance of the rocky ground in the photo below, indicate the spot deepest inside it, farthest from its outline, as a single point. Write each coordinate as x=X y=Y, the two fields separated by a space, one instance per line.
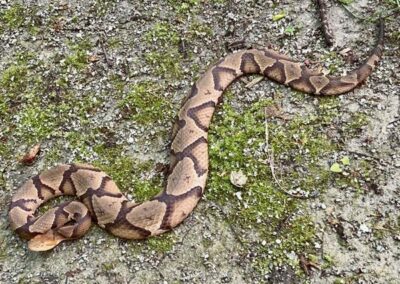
x=319 y=178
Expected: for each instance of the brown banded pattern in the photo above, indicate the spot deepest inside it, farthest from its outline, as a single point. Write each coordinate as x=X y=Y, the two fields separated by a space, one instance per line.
x=99 y=195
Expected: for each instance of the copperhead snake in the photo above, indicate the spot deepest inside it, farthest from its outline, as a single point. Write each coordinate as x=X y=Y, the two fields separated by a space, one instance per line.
x=100 y=198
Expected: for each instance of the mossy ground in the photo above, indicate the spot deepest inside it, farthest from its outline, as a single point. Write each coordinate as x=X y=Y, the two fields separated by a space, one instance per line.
x=82 y=109
x=296 y=150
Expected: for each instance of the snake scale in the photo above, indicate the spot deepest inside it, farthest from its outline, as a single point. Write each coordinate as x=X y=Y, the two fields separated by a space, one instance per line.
x=100 y=198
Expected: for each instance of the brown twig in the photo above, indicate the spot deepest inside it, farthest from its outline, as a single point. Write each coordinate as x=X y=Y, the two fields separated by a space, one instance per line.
x=102 y=41
x=351 y=13
x=306 y=264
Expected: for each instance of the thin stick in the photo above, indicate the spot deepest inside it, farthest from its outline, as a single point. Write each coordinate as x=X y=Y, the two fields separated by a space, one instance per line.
x=109 y=63
x=271 y=162
x=352 y=13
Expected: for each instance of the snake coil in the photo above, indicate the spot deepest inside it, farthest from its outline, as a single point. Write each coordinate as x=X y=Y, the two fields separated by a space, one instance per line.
x=100 y=198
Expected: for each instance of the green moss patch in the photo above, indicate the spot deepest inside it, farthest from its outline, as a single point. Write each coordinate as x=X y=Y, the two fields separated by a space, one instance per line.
x=146 y=104
x=185 y=6
x=162 y=34
x=13 y=17
x=13 y=78
x=132 y=176
x=267 y=205
x=17 y=16
x=169 y=46
x=78 y=58
x=164 y=57
x=162 y=243
x=166 y=64
x=36 y=123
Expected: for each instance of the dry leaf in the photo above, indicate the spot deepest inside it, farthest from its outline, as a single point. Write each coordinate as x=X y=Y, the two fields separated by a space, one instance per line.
x=238 y=178
x=349 y=55
x=31 y=155
x=93 y=58
x=275 y=111
x=161 y=168
x=345 y=51
x=307 y=264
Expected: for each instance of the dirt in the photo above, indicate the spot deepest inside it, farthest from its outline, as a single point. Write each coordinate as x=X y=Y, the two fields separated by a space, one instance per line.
x=357 y=228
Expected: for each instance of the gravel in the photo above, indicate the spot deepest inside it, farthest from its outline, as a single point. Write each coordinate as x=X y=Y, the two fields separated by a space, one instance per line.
x=358 y=232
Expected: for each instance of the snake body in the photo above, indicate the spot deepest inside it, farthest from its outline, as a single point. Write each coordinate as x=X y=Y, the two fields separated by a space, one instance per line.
x=100 y=197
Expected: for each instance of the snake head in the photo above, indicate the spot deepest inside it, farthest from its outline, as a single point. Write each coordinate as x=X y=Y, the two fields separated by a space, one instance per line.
x=68 y=221
x=45 y=241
